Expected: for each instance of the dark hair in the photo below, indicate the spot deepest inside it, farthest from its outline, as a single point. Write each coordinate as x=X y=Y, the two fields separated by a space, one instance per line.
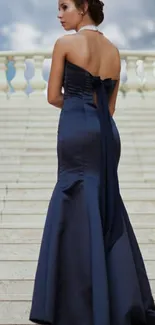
x=95 y=9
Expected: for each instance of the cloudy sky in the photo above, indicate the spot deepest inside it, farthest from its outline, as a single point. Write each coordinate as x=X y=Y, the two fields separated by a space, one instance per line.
x=30 y=24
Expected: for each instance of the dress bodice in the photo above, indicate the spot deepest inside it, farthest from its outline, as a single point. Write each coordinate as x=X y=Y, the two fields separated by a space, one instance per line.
x=81 y=83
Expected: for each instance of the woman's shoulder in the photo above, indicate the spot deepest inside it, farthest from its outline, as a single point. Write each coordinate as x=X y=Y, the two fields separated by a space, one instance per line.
x=68 y=41
x=71 y=43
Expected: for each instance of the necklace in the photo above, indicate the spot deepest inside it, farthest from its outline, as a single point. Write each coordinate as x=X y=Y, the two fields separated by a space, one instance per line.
x=91 y=27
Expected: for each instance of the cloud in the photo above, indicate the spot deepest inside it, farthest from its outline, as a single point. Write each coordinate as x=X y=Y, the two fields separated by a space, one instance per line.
x=30 y=24
x=22 y=36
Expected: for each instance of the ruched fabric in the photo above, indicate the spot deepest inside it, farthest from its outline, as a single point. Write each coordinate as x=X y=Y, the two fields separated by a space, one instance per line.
x=90 y=269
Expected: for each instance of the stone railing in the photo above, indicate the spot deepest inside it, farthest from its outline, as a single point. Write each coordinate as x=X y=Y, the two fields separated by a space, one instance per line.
x=137 y=84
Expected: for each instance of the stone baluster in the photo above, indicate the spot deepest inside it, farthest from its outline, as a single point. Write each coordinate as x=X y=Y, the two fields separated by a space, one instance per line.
x=133 y=84
x=18 y=98
x=19 y=82
x=131 y=73
x=37 y=82
x=120 y=97
x=4 y=87
x=149 y=84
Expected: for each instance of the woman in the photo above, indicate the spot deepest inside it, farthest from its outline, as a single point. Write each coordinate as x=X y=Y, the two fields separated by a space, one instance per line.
x=90 y=269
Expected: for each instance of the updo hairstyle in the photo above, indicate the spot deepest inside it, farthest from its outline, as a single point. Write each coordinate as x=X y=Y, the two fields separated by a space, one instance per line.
x=95 y=9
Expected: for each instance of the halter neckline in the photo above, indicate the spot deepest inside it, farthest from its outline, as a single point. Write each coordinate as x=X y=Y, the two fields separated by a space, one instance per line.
x=89 y=27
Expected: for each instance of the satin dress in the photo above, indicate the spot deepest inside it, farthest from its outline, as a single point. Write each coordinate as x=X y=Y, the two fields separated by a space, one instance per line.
x=90 y=269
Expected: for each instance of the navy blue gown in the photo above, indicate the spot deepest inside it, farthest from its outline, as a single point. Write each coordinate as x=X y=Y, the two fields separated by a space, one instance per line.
x=90 y=270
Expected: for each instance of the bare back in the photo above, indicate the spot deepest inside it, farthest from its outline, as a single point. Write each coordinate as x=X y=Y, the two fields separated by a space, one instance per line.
x=89 y=50
x=95 y=53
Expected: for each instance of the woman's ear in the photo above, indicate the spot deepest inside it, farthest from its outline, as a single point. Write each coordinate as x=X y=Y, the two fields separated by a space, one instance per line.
x=85 y=6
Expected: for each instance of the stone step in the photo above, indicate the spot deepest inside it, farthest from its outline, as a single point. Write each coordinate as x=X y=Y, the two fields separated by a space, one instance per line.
x=27 y=130
x=20 y=226
x=39 y=226
x=15 y=312
x=127 y=189
x=27 y=159
x=55 y=110
x=35 y=149
x=39 y=151
x=41 y=160
x=18 y=290
x=136 y=123
x=52 y=133
x=27 y=124
x=19 y=252
x=28 y=235
x=147 y=118
x=33 y=111
x=50 y=108
x=22 y=290
x=17 y=177
x=139 y=137
x=127 y=176
x=51 y=169
x=48 y=185
x=140 y=194
x=30 y=252
x=124 y=131
x=48 y=177
x=139 y=159
x=122 y=113
x=30 y=118
x=137 y=113
x=26 y=142
x=50 y=158
x=28 y=151
x=139 y=118
x=33 y=169
x=134 y=168
x=27 y=177
x=5 y=136
x=29 y=218
x=28 y=162
x=25 y=270
x=17 y=270
x=133 y=177
x=48 y=123
x=28 y=185
x=42 y=194
x=36 y=206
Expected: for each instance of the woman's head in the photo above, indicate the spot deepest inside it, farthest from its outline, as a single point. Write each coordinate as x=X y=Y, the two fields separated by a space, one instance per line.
x=74 y=13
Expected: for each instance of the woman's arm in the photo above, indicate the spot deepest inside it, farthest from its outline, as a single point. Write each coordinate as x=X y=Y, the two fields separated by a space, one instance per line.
x=54 y=92
x=113 y=97
x=117 y=68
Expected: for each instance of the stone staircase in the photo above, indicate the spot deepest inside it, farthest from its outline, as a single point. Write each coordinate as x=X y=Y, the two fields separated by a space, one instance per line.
x=28 y=167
